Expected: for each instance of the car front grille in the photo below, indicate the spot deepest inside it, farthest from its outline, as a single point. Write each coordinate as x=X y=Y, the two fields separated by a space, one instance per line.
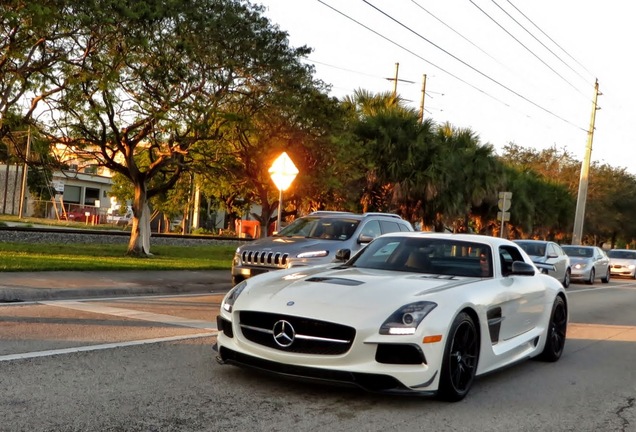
x=264 y=258
x=304 y=335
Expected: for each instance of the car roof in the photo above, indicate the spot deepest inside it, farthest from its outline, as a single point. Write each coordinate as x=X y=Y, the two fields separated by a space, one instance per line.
x=480 y=238
x=339 y=214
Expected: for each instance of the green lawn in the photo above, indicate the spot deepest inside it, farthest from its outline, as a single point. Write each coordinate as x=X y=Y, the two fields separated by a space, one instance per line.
x=83 y=257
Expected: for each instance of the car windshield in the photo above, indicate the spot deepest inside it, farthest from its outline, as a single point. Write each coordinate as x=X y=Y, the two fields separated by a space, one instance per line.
x=322 y=228
x=426 y=255
x=620 y=254
x=578 y=252
x=533 y=249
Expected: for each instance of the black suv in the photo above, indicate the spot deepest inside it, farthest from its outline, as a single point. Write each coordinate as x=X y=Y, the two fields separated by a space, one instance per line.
x=313 y=239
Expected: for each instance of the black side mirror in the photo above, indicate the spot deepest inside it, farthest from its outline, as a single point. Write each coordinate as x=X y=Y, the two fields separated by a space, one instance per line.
x=343 y=255
x=523 y=268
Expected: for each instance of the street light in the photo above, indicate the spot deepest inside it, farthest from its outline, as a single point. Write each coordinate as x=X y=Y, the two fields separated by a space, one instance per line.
x=283 y=172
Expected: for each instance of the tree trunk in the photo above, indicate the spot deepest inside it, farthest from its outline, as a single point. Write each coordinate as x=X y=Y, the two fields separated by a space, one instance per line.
x=139 y=244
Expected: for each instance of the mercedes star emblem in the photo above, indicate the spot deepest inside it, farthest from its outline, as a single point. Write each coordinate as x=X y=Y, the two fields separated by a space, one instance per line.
x=283 y=333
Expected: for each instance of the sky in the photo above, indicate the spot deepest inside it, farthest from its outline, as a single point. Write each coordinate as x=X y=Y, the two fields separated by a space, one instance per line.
x=513 y=71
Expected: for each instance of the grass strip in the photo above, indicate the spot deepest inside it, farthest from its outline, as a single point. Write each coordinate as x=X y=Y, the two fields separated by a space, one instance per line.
x=88 y=257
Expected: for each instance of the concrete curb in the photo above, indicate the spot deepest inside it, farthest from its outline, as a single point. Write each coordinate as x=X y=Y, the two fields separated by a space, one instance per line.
x=44 y=286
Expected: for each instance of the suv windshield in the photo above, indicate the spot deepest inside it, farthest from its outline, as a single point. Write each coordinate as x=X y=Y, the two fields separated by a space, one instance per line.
x=322 y=228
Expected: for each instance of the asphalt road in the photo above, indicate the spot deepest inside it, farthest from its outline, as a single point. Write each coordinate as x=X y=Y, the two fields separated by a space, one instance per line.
x=146 y=364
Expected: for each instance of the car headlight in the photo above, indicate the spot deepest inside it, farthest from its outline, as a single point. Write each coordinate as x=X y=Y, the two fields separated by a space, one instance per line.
x=228 y=302
x=631 y=266
x=579 y=266
x=313 y=254
x=405 y=320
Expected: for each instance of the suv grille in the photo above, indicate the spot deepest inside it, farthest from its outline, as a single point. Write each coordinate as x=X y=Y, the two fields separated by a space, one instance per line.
x=265 y=258
x=309 y=336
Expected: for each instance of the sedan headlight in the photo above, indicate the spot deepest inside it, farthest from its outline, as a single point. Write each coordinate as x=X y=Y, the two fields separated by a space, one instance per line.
x=313 y=254
x=405 y=320
x=232 y=295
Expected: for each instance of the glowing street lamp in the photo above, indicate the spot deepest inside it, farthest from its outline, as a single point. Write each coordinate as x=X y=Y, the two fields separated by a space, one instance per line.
x=283 y=172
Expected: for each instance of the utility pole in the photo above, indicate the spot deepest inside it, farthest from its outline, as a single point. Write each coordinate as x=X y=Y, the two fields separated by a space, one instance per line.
x=25 y=171
x=579 y=216
x=395 y=80
x=422 y=101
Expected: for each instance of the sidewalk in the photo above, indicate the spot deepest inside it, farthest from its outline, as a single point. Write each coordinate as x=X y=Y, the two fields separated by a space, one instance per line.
x=36 y=286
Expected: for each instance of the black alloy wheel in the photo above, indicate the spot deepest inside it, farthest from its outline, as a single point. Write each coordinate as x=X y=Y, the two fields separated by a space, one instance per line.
x=461 y=355
x=555 y=335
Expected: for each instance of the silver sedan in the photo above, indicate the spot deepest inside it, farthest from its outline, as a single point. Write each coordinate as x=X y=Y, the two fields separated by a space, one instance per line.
x=545 y=252
x=588 y=263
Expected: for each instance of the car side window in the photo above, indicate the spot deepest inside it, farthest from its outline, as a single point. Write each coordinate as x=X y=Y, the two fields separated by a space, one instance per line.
x=371 y=228
x=508 y=255
x=389 y=227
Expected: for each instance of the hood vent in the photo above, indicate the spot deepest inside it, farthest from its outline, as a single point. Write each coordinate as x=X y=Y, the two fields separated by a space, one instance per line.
x=335 y=280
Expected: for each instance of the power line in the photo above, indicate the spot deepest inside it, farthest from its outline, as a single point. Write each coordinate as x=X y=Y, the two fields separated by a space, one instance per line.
x=527 y=49
x=345 y=69
x=457 y=33
x=551 y=40
x=472 y=67
x=537 y=39
x=413 y=53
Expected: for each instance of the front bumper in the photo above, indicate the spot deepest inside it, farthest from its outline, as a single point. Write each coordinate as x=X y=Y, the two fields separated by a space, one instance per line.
x=623 y=271
x=372 y=382
x=357 y=367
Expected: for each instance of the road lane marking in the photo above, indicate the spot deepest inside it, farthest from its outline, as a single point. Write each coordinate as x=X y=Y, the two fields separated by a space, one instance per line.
x=88 y=348
x=130 y=313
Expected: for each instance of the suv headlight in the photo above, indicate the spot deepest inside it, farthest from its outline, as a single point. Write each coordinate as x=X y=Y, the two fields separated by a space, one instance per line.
x=313 y=254
x=405 y=320
x=230 y=298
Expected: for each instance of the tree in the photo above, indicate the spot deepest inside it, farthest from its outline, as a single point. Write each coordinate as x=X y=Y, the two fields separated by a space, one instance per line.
x=155 y=77
x=288 y=112
x=32 y=42
x=397 y=154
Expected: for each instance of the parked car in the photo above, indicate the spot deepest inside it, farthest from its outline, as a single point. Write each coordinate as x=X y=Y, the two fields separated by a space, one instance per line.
x=588 y=263
x=312 y=240
x=548 y=252
x=623 y=262
x=411 y=312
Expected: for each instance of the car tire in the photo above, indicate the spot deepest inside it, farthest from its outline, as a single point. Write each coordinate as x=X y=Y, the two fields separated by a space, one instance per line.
x=459 y=364
x=607 y=277
x=590 y=280
x=566 y=279
x=555 y=333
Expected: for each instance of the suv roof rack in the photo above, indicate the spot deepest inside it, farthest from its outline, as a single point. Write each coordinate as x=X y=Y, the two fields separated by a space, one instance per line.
x=326 y=212
x=393 y=215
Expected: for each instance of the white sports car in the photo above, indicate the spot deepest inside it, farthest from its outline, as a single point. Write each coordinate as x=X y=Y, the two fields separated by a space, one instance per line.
x=412 y=312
